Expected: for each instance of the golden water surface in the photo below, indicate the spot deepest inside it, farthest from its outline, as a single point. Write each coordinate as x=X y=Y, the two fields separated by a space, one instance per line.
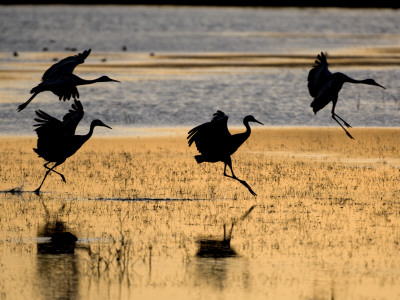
x=325 y=223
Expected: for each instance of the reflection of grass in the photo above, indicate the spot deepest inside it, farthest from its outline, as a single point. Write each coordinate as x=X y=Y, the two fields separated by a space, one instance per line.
x=325 y=203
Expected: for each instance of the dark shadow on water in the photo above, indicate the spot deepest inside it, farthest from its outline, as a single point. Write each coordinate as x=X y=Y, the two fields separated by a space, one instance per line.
x=213 y=248
x=15 y=190
x=211 y=264
x=214 y=255
x=148 y=199
x=61 y=241
x=19 y=190
x=212 y=272
x=57 y=264
x=217 y=248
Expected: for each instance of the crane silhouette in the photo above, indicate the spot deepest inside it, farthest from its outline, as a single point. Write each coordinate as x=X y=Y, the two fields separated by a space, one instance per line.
x=215 y=143
x=60 y=80
x=325 y=86
x=57 y=140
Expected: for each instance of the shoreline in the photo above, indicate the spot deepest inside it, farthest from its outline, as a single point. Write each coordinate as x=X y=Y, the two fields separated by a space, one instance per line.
x=357 y=57
x=165 y=131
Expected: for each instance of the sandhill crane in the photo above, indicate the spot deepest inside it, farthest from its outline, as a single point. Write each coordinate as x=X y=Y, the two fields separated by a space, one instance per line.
x=60 y=80
x=325 y=86
x=215 y=143
x=57 y=140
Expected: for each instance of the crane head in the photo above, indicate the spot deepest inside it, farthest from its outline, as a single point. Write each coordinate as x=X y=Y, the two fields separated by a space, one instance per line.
x=99 y=123
x=250 y=118
x=372 y=82
x=106 y=79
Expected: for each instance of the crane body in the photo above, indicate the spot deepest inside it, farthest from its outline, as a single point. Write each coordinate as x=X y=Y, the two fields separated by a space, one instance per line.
x=57 y=140
x=215 y=143
x=60 y=80
x=325 y=86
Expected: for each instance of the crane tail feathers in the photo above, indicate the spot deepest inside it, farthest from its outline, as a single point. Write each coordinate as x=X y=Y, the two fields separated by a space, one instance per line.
x=41 y=114
x=77 y=105
x=321 y=59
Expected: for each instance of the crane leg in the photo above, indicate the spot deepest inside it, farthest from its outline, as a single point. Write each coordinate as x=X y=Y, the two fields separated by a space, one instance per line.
x=334 y=115
x=23 y=105
x=62 y=176
x=348 y=134
x=233 y=176
x=344 y=122
x=47 y=173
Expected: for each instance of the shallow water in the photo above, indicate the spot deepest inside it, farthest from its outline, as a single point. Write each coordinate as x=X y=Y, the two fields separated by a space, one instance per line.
x=199 y=29
x=204 y=59
x=181 y=85
x=158 y=248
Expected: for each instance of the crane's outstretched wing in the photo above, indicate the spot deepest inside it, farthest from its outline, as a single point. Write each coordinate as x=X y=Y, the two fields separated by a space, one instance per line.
x=318 y=75
x=66 y=66
x=73 y=117
x=64 y=86
x=47 y=126
x=212 y=136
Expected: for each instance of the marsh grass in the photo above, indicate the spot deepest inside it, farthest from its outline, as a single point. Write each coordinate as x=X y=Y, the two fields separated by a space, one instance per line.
x=326 y=221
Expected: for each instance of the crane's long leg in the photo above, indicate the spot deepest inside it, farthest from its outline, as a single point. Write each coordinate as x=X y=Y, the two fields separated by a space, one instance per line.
x=47 y=173
x=348 y=134
x=344 y=122
x=334 y=115
x=233 y=176
x=23 y=105
x=62 y=176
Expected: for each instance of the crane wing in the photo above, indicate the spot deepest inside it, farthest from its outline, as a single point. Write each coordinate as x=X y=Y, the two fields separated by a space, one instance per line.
x=212 y=136
x=318 y=75
x=47 y=126
x=66 y=66
x=73 y=117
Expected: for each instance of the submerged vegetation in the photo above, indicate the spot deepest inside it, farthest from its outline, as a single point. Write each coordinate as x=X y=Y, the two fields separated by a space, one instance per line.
x=326 y=219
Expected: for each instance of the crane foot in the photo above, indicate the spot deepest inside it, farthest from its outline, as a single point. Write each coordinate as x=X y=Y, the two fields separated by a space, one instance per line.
x=21 y=107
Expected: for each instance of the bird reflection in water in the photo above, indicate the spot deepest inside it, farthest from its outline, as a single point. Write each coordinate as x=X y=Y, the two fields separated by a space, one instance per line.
x=216 y=248
x=220 y=248
x=57 y=263
x=214 y=257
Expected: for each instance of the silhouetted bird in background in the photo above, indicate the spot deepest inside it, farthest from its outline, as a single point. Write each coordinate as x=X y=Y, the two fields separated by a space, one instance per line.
x=60 y=80
x=215 y=143
x=325 y=87
x=57 y=140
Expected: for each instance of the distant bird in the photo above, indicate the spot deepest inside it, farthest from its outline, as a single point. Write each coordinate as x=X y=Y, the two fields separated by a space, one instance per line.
x=325 y=86
x=57 y=140
x=60 y=80
x=215 y=143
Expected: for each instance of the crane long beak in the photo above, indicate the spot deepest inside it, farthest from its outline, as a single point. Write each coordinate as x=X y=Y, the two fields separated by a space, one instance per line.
x=106 y=126
x=380 y=86
x=258 y=122
x=115 y=80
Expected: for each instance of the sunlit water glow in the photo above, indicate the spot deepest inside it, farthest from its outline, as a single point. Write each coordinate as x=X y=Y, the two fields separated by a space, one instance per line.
x=181 y=64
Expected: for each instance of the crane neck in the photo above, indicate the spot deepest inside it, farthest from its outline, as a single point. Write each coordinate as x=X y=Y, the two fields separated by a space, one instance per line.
x=248 y=129
x=81 y=81
x=90 y=133
x=346 y=78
